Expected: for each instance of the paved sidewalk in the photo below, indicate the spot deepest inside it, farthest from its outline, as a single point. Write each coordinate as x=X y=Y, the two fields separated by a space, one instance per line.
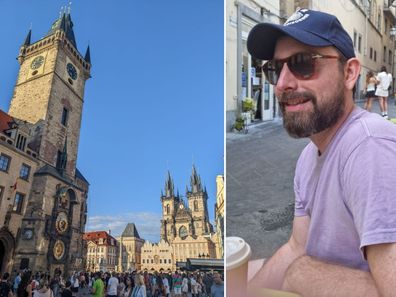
x=259 y=175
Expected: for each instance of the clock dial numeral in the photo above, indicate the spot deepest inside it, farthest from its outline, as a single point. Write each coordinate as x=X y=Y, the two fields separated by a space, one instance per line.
x=71 y=70
x=37 y=62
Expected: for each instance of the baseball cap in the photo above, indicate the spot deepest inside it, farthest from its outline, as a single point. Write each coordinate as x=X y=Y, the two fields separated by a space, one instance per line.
x=310 y=27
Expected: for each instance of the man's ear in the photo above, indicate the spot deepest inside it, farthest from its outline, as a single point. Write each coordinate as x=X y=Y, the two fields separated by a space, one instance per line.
x=351 y=72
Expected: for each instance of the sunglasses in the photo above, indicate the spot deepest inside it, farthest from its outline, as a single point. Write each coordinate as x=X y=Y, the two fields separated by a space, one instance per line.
x=302 y=65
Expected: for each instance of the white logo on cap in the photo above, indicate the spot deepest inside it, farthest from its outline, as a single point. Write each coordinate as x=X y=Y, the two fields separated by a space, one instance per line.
x=298 y=16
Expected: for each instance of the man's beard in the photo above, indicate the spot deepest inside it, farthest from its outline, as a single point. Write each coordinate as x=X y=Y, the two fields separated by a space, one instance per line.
x=308 y=122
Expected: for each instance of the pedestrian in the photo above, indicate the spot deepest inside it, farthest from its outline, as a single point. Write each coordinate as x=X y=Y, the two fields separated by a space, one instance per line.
x=184 y=286
x=384 y=81
x=139 y=289
x=43 y=289
x=370 y=90
x=343 y=236
x=5 y=288
x=25 y=287
x=217 y=288
x=17 y=280
x=112 y=285
x=98 y=285
x=177 y=284
x=127 y=292
x=66 y=292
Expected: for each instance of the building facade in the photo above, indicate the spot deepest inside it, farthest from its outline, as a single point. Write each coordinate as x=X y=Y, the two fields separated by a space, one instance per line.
x=370 y=24
x=43 y=194
x=157 y=256
x=102 y=251
x=219 y=215
x=130 y=246
x=185 y=225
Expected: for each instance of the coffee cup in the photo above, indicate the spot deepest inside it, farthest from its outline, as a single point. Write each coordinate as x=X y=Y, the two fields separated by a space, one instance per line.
x=237 y=258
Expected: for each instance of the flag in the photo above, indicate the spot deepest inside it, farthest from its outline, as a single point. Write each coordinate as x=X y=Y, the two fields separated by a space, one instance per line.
x=14 y=187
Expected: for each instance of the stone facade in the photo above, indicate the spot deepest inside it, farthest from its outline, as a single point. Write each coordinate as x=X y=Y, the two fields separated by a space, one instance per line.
x=157 y=256
x=219 y=215
x=129 y=252
x=46 y=109
x=102 y=251
x=186 y=226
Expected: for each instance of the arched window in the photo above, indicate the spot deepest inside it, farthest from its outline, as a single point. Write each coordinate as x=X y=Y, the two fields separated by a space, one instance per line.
x=195 y=205
x=167 y=209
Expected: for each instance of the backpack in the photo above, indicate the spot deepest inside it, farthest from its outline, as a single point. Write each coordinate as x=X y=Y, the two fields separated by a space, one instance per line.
x=4 y=289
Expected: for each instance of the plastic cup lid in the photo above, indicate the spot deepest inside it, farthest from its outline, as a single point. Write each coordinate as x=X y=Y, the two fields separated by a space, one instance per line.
x=238 y=252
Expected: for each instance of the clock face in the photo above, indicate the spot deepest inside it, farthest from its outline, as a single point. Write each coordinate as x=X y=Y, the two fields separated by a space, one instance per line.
x=37 y=62
x=181 y=206
x=61 y=223
x=183 y=232
x=71 y=70
x=28 y=234
x=59 y=249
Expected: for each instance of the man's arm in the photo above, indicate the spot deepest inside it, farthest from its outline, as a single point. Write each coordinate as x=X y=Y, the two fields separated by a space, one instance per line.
x=382 y=259
x=272 y=274
x=313 y=278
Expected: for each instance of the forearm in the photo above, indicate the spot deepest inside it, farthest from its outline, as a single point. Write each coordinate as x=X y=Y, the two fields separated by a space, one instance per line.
x=272 y=274
x=312 y=278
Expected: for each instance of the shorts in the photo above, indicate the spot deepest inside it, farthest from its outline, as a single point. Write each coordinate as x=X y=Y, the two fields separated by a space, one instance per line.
x=370 y=94
x=177 y=290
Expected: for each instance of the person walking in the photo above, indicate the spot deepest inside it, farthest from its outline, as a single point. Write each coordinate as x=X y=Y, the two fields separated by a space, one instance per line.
x=384 y=80
x=5 y=288
x=112 y=285
x=370 y=90
x=140 y=289
x=98 y=285
x=217 y=288
x=43 y=289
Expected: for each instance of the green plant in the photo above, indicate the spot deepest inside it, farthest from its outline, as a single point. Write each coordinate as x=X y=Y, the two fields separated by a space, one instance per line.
x=239 y=124
x=247 y=104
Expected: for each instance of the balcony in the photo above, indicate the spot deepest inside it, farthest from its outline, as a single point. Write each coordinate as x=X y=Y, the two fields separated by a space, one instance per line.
x=390 y=10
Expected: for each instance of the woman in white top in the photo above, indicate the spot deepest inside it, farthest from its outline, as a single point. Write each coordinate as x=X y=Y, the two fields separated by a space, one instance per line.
x=140 y=289
x=384 y=81
x=43 y=289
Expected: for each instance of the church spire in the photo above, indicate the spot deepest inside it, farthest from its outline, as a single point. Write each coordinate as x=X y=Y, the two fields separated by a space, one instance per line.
x=169 y=186
x=65 y=24
x=195 y=181
x=87 y=57
x=28 y=37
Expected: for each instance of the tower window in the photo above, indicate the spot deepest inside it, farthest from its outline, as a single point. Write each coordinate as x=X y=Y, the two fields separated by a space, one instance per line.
x=18 y=202
x=24 y=172
x=167 y=209
x=4 y=162
x=65 y=115
x=195 y=205
x=21 y=142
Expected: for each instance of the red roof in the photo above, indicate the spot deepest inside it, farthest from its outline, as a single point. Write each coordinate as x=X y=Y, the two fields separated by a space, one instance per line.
x=96 y=235
x=4 y=120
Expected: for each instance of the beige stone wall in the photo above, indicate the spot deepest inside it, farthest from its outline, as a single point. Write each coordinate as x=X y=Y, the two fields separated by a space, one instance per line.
x=129 y=257
x=157 y=257
x=193 y=248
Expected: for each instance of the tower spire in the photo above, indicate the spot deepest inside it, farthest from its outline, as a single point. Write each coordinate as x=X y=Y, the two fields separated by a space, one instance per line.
x=87 y=57
x=28 y=37
x=195 y=181
x=169 y=186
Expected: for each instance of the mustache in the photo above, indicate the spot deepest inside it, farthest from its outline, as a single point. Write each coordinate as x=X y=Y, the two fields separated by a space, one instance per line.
x=286 y=96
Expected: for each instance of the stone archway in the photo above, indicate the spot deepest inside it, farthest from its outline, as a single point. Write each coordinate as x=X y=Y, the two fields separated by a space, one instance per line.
x=7 y=250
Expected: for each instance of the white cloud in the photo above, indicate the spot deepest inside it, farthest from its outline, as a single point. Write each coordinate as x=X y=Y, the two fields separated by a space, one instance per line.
x=147 y=224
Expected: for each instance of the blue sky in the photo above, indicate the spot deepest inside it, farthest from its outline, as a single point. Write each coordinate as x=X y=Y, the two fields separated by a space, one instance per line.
x=154 y=102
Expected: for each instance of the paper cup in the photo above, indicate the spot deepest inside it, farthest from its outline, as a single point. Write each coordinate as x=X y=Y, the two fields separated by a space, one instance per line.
x=237 y=257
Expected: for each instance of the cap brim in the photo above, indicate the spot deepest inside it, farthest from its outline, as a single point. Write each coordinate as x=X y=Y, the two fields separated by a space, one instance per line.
x=262 y=39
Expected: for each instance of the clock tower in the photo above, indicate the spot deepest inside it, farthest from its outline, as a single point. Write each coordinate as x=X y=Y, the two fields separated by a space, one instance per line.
x=49 y=97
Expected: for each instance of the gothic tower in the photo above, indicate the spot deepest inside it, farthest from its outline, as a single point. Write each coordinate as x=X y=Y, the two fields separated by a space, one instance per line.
x=49 y=96
x=197 y=202
x=170 y=202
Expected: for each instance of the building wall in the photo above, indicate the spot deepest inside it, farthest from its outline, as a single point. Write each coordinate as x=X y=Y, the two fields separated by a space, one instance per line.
x=157 y=257
x=130 y=255
x=219 y=216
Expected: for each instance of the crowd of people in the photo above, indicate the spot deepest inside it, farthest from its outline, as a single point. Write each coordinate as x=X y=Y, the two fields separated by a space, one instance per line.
x=378 y=87
x=113 y=284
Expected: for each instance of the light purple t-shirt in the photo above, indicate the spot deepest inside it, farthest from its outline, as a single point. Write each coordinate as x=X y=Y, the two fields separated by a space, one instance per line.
x=349 y=191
